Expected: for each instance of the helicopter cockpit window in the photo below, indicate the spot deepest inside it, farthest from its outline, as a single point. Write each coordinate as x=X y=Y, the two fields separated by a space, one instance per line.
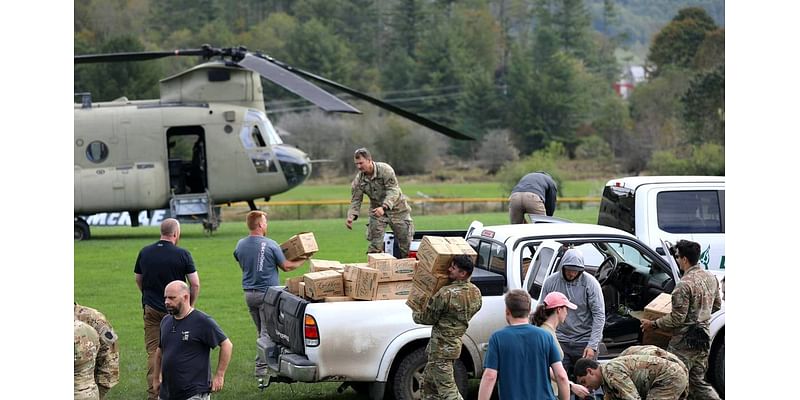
x=257 y=131
x=257 y=138
x=97 y=151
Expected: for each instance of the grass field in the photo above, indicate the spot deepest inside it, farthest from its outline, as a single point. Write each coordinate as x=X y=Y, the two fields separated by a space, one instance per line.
x=320 y=191
x=104 y=279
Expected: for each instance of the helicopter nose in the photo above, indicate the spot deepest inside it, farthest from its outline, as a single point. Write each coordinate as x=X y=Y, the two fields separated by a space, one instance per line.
x=295 y=164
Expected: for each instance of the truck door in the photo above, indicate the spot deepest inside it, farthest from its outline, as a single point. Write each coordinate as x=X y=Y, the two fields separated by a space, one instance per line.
x=540 y=267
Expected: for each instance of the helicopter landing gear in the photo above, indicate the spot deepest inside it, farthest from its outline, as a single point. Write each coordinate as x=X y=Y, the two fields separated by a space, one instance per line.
x=82 y=231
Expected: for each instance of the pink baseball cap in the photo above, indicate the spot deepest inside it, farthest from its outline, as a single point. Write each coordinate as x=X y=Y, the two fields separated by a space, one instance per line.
x=557 y=299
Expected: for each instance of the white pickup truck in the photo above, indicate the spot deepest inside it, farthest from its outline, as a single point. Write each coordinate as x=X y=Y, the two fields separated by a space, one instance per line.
x=376 y=348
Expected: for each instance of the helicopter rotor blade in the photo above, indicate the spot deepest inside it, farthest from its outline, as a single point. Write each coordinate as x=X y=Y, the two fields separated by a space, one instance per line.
x=140 y=56
x=296 y=84
x=380 y=103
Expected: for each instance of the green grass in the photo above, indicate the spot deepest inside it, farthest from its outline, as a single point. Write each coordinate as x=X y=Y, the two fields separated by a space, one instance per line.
x=319 y=191
x=104 y=279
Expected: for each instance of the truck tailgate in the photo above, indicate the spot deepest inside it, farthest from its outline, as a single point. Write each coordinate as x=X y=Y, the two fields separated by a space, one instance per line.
x=285 y=315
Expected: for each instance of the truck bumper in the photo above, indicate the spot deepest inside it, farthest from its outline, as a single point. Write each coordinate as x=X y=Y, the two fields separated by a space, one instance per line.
x=295 y=367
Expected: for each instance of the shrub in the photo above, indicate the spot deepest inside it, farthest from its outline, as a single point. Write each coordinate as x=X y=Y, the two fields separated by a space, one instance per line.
x=706 y=159
x=496 y=150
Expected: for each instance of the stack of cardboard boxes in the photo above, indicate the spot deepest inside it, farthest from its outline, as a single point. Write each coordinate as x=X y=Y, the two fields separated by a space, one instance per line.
x=382 y=277
x=434 y=254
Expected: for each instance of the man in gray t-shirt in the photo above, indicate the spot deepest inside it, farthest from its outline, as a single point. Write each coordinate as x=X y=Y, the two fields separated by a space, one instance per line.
x=580 y=334
x=259 y=258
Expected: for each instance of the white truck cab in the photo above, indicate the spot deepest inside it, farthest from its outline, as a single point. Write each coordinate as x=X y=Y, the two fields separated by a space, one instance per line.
x=656 y=208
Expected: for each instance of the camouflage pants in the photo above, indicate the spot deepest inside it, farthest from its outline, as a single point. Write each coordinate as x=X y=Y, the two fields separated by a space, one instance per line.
x=672 y=386
x=697 y=364
x=438 y=381
x=402 y=226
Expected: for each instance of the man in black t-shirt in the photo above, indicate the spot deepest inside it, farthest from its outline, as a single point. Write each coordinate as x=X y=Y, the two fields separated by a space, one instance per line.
x=183 y=358
x=156 y=266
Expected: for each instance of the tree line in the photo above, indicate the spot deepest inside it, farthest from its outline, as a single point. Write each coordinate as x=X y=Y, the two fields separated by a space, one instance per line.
x=518 y=75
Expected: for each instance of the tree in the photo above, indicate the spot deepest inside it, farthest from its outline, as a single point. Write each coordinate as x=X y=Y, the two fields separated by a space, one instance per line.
x=108 y=81
x=704 y=107
x=679 y=41
x=496 y=150
x=656 y=109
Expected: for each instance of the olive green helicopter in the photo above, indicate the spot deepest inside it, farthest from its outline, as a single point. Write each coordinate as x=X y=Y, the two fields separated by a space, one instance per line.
x=205 y=141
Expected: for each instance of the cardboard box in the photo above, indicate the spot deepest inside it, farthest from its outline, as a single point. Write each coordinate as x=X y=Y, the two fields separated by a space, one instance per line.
x=417 y=299
x=425 y=281
x=333 y=299
x=302 y=245
x=397 y=270
x=660 y=306
x=348 y=288
x=393 y=290
x=364 y=282
x=379 y=260
x=323 y=284
x=498 y=264
x=315 y=265
x=301 y=289
x=292 y=284
x=435 y=253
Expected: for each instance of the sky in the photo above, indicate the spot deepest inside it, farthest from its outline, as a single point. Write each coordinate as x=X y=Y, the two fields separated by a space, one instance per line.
x=761 y=155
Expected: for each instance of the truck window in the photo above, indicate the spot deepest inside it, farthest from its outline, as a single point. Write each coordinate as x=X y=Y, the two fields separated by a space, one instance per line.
x=539 y=272
x=689 y=212
x=491 y=257
x=617 y=209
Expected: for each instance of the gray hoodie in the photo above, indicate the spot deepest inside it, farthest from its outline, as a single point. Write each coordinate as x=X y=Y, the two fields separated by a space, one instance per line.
x=586 y=323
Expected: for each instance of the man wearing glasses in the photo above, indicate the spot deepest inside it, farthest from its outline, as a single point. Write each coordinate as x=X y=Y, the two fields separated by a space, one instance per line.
x=694 y=299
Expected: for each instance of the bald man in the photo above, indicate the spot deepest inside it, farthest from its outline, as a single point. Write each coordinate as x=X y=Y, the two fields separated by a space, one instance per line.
x=156 y=266
x=183 y=357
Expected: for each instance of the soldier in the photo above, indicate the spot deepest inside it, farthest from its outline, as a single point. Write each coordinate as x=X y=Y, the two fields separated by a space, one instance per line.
x=388 y=204
x=87 y=344
x=642 y=373
x=449 y=311
x=694 y=299
x=106 y=369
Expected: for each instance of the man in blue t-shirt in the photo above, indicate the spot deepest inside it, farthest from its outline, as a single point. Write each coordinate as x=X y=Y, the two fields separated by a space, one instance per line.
x=259 y=258
x=520 y=356
x=156 y=266
x=183 y=357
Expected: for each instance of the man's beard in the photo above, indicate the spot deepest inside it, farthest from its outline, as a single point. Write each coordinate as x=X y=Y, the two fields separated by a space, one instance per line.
x=175 y=310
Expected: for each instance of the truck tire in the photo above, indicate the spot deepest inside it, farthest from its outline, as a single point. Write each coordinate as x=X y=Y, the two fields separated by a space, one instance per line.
x=407 y=378
x=82 y=231
x=716 y=370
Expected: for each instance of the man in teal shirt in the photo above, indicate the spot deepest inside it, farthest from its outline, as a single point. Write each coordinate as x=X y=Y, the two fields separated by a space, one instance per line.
x=520 y=356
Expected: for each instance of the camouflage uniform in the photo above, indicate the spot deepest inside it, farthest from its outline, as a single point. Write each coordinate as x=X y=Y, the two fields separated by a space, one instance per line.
x=383 y=190
x=106 y=370
x=694 y=299
x=87 y=344
x=641 y=376
x=449 y=311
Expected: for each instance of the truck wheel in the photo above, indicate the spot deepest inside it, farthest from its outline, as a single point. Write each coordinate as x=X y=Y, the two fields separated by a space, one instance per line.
x=81 y=229
x=407 y=378
x=717 y=368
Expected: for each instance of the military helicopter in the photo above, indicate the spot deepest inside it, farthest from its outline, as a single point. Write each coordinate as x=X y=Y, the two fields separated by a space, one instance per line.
x=206 y=141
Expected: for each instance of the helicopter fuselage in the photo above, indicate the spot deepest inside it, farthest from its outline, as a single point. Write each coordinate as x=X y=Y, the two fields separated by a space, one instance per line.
x=136 y=155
